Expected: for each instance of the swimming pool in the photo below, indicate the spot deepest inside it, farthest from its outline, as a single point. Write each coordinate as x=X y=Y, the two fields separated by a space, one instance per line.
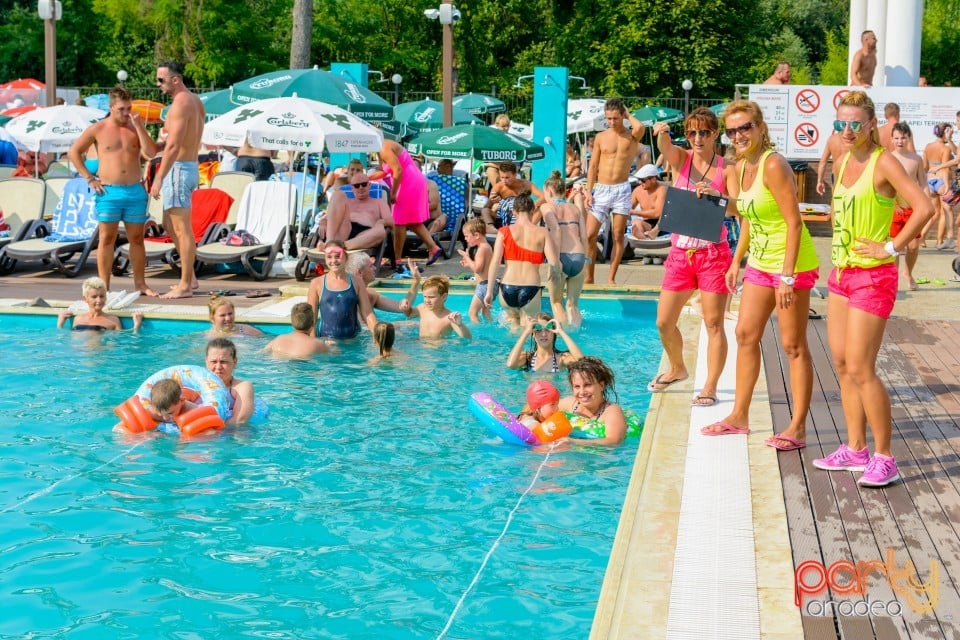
x=371 y=505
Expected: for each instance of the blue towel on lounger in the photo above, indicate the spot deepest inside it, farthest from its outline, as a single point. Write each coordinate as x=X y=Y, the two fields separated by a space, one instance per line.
x=74 y=218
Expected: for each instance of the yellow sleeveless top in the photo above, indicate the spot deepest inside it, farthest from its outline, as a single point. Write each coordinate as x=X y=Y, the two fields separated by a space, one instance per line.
x=859 y=212
x=768 y=229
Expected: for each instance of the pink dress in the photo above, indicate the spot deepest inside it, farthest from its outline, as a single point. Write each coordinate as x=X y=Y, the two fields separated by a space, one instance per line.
x=412 y=205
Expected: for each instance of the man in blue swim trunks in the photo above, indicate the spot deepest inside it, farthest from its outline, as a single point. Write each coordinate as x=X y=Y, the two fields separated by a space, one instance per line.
x=178 y=175
x=121 y=140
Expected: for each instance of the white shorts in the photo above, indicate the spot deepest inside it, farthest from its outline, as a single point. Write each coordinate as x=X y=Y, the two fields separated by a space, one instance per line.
x=611 y=198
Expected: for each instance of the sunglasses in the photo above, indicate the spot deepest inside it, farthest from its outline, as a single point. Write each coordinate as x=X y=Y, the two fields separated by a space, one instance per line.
x=334 y=253
x=161 y=80
x=840 y=125
x=701 y=133
x=744 y=129
x=541 y=327
x=360 y=185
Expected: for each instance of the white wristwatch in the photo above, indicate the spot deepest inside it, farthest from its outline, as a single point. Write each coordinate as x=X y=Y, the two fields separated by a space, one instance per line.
x=891 y=248
x=787 y=280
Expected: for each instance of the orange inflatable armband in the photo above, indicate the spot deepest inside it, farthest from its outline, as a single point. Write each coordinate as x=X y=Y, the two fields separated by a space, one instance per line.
x=553 y=428
x=134 y=416
x=199 y=420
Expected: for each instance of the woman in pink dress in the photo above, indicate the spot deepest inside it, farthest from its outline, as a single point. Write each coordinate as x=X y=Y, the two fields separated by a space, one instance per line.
x=408 y=193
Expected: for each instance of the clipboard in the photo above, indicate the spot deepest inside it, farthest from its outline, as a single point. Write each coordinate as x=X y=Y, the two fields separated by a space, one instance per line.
x=685 y=213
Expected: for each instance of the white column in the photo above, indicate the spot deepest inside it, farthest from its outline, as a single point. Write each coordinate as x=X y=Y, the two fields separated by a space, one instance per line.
x=858 y=24
x=904 y=25
x=877 y=22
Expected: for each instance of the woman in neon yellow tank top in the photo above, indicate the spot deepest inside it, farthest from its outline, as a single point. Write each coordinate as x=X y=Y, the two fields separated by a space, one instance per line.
x=863 y=283
x=781 y=271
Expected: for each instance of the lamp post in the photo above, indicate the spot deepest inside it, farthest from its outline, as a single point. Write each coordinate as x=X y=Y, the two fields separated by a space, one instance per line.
x=396 y=79
x=50 y=11
x=687 y=85
x=122 y=77
x=447 y=14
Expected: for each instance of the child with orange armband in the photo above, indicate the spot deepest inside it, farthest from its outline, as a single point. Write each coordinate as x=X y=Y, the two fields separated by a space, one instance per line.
x=542 y=413
x=167 y=401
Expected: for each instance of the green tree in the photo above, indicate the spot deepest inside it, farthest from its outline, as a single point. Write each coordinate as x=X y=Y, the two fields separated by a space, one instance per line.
x=833 y=69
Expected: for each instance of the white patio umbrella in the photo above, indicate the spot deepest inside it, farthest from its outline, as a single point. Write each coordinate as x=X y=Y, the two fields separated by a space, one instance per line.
x=54 y=128
x=293 y=124
x=585 y=115
x=524 y=131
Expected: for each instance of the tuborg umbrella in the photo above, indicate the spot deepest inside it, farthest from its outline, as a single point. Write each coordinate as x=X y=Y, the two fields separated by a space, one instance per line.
x=479 y=103
x=215 y=103
x=653 y=114
x=52 y=128
x=427 y=115
x=476 y=142
x=585 y=115
x=519 y=129
x=314 y=84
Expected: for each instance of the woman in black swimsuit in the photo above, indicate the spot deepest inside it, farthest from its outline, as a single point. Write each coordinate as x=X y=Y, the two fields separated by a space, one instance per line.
x=95 y=295
x=544 y=356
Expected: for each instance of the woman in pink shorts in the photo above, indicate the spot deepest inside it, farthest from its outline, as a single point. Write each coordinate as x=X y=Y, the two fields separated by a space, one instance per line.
x=781 y=271
x=863 y=283
x=693 y=263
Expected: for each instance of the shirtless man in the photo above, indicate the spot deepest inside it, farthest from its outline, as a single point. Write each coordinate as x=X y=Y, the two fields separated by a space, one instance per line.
x=892 y=113
x=609 y=169
x=360 y=222
x=301 y=343
x=510 y=186
x=781 y=75
x=120 y=140
x=646 y=203
x=913 y=165
x=178 y=174
x=255 y=161
x=864 y=61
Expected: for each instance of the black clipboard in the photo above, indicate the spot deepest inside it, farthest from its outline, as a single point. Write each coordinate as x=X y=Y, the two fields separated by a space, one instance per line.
x=685 y=213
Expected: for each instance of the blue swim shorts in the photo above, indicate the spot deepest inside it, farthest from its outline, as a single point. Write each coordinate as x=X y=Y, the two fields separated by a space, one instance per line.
x=183 y=180
x=122 y=203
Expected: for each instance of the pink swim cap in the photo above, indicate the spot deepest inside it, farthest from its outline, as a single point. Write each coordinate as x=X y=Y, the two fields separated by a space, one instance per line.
x=540 y=393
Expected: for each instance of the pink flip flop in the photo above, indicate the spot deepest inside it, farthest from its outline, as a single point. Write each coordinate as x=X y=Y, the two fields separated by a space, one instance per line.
x=726 y=429
x=794 y=443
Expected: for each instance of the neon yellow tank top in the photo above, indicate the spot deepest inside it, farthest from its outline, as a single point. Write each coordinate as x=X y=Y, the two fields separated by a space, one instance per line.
x=859 y=212
x=768 y=229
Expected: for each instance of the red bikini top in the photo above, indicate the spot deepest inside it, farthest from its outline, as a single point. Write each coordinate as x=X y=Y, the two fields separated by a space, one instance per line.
x=513 y=251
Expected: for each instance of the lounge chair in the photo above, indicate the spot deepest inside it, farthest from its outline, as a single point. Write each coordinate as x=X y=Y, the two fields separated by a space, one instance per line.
x=654 y=249
x=72 y=230
x=233 y=182
x=21 y=200
x=209 y=210
x=455 y=200
x=55 y=187
x=266 y=209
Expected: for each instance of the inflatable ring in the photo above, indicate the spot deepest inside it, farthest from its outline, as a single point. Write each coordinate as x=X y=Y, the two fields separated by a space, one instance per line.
x=499 y=421
x=210 y=389
x=588 y=428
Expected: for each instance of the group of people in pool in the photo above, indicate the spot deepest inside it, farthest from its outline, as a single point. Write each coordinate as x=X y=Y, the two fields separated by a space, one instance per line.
x=782 y=268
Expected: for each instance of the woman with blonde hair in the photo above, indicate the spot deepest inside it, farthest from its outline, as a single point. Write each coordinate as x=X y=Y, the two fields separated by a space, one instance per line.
x=781 y=271
x=863 y=283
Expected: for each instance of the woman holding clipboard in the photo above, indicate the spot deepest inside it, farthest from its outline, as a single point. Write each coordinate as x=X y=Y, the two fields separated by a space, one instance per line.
x=694 y=263
x=781 y=271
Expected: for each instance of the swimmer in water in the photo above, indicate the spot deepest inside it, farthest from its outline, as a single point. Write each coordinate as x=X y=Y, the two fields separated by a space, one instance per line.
x=95 y=319
x=223 y=315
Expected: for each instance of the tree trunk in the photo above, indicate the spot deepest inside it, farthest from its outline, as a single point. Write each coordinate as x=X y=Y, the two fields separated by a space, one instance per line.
x=302 y=34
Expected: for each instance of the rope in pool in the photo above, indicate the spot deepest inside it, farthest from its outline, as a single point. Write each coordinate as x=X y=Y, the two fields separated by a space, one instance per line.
x=493 y=547
x=46 y=490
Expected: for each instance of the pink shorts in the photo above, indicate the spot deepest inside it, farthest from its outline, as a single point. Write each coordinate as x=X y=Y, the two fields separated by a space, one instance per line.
x=872 y=290
x=704 y=269
x=804 y=280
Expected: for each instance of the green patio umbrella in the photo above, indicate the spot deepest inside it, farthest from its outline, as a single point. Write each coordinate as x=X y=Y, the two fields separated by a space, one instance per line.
x=392 y=130
x=653 y=114
x=719 y=108
x=479 y=103
x=470 y=141
x=427 y=115
x=215 y=103
x=318 y=85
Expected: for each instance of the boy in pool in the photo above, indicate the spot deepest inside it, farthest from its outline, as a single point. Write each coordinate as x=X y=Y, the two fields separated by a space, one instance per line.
x=477 y=259
x=436 y=321
x=167 y=401
x=301 y=343
x=95 y=319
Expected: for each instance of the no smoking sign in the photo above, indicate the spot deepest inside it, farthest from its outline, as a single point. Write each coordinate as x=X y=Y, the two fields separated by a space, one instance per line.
x=806 y=134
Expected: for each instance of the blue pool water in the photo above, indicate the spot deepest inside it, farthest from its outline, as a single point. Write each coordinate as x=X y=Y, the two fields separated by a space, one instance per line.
x=368 y=506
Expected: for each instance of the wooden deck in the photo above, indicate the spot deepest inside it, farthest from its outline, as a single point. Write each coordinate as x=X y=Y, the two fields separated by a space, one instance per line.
x=832 y=519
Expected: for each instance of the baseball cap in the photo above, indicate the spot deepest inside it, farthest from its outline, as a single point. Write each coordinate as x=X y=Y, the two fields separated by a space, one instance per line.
x=647 y=171
x=541 y=393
